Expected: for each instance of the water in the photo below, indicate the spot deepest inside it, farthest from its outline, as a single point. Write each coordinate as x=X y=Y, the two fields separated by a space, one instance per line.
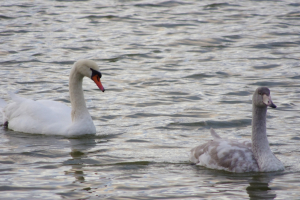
x=171 y=70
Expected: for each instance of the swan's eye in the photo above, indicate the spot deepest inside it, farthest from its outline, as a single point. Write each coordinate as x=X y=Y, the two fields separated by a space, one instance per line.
x=96 y=73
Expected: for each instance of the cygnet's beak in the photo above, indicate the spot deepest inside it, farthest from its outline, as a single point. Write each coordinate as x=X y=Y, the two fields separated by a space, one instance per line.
x=96 y=79
x=268 y=101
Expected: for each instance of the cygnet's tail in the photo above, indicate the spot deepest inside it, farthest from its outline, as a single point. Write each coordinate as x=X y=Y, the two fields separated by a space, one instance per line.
x=2 y=105
x=214 y=134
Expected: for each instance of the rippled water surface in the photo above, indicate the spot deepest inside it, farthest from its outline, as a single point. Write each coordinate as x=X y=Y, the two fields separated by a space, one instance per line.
x=172 y=70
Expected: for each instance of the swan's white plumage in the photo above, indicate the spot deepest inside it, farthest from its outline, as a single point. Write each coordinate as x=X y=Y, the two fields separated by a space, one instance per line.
x=242 y=156
x=42 y=116
x=51 y=117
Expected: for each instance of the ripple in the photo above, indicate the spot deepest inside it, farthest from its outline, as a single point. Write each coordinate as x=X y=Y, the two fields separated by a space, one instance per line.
x=13 y=188
x=216 y=124
x=137 y=141
x=161 y=4
x=215 y=6
x=239 y=93
x=273 y=83
x=276 y=45
x=200 y=76
x=266 y=66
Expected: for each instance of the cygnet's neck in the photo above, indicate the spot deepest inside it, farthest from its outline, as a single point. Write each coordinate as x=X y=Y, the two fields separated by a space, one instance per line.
x=260 y=144
x=79 y=109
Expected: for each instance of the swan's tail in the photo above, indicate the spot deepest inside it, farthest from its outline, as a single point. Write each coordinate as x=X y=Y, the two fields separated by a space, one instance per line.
x=2 y=105
x=15 y=97
x=214 y=134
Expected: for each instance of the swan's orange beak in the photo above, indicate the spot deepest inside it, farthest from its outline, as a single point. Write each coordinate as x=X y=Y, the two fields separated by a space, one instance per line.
x=96 y=79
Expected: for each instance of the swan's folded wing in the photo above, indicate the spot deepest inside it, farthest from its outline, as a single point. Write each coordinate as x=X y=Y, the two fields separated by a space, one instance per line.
x=58 y=110
x=26 y=115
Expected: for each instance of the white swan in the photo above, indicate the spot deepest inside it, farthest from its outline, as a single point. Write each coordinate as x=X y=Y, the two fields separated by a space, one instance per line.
x=242 y=156
x=51 y=117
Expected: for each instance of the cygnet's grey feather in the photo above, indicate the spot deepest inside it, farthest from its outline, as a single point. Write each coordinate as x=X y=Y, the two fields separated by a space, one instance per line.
x=214 y=134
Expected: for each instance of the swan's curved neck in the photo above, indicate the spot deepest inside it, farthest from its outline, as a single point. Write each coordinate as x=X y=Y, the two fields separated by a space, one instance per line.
x=260 y=143
x=79 y=109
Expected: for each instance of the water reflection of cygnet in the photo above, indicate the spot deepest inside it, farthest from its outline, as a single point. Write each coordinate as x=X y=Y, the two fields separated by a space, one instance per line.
x=259 y=186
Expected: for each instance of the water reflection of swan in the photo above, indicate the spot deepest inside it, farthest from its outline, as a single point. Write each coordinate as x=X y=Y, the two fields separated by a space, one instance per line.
x=51 y=117
x=51 y=154
x=242 y=156
x=79 y=147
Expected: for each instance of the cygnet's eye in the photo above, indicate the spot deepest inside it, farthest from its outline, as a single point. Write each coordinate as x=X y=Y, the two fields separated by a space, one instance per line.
x=259 y=93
